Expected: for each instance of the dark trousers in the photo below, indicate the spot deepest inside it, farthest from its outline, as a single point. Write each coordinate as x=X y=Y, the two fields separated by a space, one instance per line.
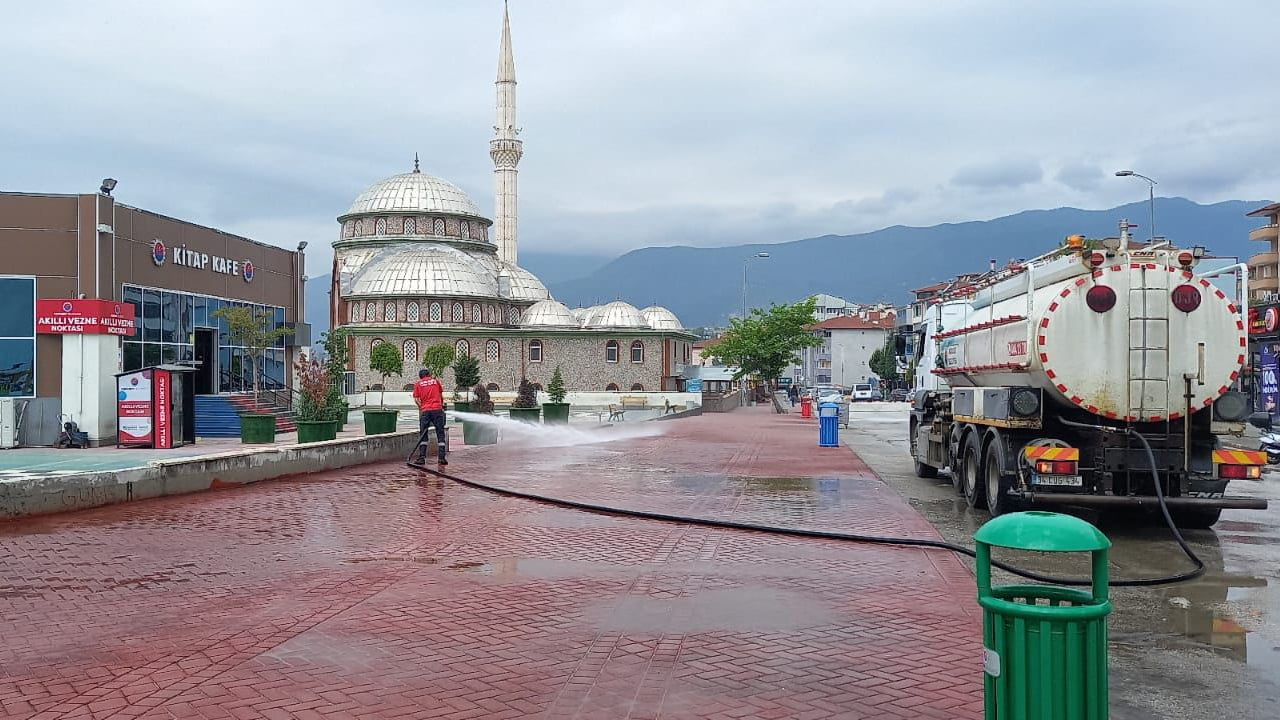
x=431 y=418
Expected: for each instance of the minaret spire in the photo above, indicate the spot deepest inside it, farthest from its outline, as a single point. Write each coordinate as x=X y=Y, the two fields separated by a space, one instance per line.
x=505 y=148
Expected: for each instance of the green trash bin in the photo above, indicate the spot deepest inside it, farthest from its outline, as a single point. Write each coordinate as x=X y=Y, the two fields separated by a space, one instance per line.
x=1045 y=647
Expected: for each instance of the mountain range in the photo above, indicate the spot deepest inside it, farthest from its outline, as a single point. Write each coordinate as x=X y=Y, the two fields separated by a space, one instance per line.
x=703 y=286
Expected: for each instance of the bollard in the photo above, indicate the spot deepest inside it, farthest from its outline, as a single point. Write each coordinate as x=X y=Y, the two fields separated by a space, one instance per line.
x=806 y=407
x=1045 y=647
x=828 y=425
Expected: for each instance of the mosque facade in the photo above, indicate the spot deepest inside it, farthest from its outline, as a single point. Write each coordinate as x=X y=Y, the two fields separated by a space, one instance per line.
x=417 y=264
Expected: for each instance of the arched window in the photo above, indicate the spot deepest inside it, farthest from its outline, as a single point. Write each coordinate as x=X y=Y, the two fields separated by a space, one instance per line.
x=411 y=311
x=611 y=352
x=389 y=312
x=380 y=226
x=410 y=351
x=537 y=387
x=434 y=312
x=491 y=351
x=437 y=227
x=371 y=311
x=375 y=343
x=349 y=229
x=611 y=387
x=477 y=315
x=513 y=316
x=354 y=312
x=636 y=387
x=492 y=387
x=410 y=226
x=457 y=312
x=465 y=230
x=355 y=227
x=637 y=352
x=462 y=348
x=535 y=351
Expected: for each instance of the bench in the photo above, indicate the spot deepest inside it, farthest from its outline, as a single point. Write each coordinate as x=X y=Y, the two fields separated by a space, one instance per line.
x=668 y=408
x=616 y=412
x=631 y=401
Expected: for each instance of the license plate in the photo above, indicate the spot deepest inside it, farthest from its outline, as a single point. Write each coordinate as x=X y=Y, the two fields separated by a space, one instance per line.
x=1059 y=480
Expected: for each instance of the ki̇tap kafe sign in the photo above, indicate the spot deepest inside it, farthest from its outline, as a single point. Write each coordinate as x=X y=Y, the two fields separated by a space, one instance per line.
x=85 y=317
x=185 y=257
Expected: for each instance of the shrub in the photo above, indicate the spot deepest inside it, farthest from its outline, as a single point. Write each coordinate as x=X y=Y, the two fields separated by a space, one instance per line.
x=482 y=403
x=526 y=396
x=555 y=388
x=438 y=357
x=385 y=359
x=466 y=372
x=313 y=389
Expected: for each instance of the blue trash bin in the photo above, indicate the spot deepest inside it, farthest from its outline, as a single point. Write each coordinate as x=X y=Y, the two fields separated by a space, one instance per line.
x=828 y=425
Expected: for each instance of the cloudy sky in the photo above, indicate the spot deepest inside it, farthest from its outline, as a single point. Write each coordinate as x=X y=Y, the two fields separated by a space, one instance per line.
x=646 y=122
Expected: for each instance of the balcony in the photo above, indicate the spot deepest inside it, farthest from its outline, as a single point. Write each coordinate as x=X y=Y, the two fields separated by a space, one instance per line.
x=1262 y=259
x=1266 y=233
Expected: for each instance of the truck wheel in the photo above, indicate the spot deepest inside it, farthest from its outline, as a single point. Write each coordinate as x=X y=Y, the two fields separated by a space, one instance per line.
x=971 y=475
x=956 y=453
x=1196 y=519
x=997 y=486
x=926 y=471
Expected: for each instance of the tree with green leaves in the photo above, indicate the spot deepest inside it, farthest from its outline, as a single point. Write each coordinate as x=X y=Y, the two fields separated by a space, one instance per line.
x=884 y=364
x=555 y=388
x=386 y=360
x=466 y=373
x=766 y=342
x=252 y=331
x=337 y=354
x=438 y=357
x=526 y=396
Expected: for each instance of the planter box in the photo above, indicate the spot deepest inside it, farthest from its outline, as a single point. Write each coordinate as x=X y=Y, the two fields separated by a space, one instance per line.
x=527 y=415
x=555 y=413
x=257 y=429
x=377 y=422
x=310 y=431
x=474 y=433
x=462 y=406
x=335 y=426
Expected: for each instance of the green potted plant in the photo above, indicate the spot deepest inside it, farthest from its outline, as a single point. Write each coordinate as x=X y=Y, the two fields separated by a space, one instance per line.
x=337 y=354
x=555 y=412
x=476 y=433
x=525 y=407
x=385 y=359
x=253 y=331
x=466 y=373
x=314 y=424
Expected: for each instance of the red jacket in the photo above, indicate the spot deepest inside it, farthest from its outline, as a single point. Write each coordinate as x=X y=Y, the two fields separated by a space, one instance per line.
x=429 y=394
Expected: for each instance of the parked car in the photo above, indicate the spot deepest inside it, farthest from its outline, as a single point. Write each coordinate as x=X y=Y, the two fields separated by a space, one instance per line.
x=831 y=396
x=863 y=393
x=899 y=395
x=877 y=395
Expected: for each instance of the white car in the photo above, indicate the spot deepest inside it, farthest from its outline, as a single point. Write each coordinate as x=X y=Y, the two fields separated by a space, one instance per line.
x=830 y=396
x=863 y=393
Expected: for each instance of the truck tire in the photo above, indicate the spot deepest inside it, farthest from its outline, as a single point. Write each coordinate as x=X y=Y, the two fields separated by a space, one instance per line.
x=997 y=484
x=927 y=472
x=1196 y=519
x=971 y=481
x=956 y=453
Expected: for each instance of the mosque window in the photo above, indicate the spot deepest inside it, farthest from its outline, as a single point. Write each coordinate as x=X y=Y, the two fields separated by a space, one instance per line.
x=410 y=351
x=457 y=312
x=611 y=387
x=513 y=316
x=349 y=229
x=637 y=352
x=491 y=351
x=435 y=312
x=411 y=311
x=380 y=226
x=389 y=312
x=355 y=312
x=537 y=387
x=437 y=226
x=492 y=387
x=355 y=227
x=462 y=348
x=535 y=351
x=410 y=226
x=476 y=314
x=371 y=311
x=375 y=343
x=636 y=387
x=464 y=230
x=611 y=352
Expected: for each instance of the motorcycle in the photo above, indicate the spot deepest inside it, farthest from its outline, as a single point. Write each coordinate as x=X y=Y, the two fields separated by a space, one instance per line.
x=71 y=436
x=1269 y=440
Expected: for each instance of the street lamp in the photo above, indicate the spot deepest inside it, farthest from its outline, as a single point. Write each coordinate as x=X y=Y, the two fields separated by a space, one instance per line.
x=746 y=262
x=1151 y=186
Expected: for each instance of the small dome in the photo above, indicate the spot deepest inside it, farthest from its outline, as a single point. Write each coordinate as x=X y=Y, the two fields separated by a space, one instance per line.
x=548 y=313
x=423 y=269
x=516 y=283
x=660 y=318
x=617 y=314
x=414 y=192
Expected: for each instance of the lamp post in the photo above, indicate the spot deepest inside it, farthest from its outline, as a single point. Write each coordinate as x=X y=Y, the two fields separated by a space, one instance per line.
x=746 y=262
x=1151 y=186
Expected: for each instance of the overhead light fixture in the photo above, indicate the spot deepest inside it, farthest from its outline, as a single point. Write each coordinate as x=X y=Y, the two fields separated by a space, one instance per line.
x=1123 y=173
x=108 y=184
x=302 y=246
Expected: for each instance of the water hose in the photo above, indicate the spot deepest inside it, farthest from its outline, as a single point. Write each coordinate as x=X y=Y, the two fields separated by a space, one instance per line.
x=828 y=535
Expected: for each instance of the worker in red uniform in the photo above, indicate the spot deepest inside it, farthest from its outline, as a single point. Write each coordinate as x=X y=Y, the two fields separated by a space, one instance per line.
x=428 y=393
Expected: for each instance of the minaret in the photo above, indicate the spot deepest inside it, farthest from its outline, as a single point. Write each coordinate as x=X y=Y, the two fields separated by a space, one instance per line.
x=505 y=149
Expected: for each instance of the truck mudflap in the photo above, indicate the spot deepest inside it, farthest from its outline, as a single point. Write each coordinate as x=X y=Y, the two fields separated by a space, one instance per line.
x=1144 y=501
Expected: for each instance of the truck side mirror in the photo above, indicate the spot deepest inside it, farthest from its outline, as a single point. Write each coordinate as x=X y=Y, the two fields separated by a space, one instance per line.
x=1261 y=420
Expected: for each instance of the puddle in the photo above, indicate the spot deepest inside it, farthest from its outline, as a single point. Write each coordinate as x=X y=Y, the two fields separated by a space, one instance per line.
x=750 y=608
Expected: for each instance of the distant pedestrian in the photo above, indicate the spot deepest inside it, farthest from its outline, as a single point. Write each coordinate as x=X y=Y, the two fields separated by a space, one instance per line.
x=793 y=394
x=428 y=393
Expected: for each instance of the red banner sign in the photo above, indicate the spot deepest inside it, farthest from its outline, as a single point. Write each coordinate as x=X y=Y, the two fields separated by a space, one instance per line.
x=133 y=408
x=85 y=317
x=163 y=409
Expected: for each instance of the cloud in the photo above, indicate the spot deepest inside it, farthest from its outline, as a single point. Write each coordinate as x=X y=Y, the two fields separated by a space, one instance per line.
x=1080 y=176
x=1007 y=173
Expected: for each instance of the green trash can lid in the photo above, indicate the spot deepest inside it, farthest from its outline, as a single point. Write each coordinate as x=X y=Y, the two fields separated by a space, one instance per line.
x=1042 y=531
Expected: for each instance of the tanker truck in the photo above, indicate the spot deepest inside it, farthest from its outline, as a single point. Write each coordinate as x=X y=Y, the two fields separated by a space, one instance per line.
x=1032 y=391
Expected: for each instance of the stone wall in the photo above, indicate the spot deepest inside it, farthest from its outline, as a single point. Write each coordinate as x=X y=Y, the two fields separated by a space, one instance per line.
x=581 y=359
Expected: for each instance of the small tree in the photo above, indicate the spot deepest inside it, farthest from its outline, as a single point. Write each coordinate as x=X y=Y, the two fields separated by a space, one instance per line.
x=884 y=364
x=555 y=388
x=526 y=396
x=482 y=403
x=466 y=372
x=385 y=359
x=337 y=355
x=253 y=332
x=767 y=341
x=313 y=388
x=438 y=357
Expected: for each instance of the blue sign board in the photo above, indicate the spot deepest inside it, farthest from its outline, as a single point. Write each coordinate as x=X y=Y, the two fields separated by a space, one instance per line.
x=1269 y=380
x=693 y=385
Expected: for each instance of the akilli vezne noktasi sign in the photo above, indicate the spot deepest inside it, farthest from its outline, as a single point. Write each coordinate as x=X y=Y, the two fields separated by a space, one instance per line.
x=185 y=257
x=85 y=317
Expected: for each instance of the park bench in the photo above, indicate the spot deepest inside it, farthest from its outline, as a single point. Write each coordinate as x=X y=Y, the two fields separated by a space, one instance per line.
x=630 y=402
x=617 y=412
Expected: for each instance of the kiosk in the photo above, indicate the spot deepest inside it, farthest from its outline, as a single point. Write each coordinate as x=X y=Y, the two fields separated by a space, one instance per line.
x=155 y=407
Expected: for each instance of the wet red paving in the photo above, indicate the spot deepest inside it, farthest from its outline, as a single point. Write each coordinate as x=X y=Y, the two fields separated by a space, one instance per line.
x=381 y=593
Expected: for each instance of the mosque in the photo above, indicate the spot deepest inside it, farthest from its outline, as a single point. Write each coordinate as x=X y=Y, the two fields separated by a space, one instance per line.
x=416 y=264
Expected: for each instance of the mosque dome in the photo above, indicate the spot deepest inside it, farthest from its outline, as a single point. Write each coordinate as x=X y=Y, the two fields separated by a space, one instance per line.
x=660 y=318
x=548 y=313
x=617 y=314
x=516 y=283
x=581 y=313
x=414 y=192
x=423 y=269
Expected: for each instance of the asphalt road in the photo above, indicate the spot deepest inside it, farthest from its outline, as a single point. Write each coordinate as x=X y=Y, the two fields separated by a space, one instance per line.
x=1208 y=649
